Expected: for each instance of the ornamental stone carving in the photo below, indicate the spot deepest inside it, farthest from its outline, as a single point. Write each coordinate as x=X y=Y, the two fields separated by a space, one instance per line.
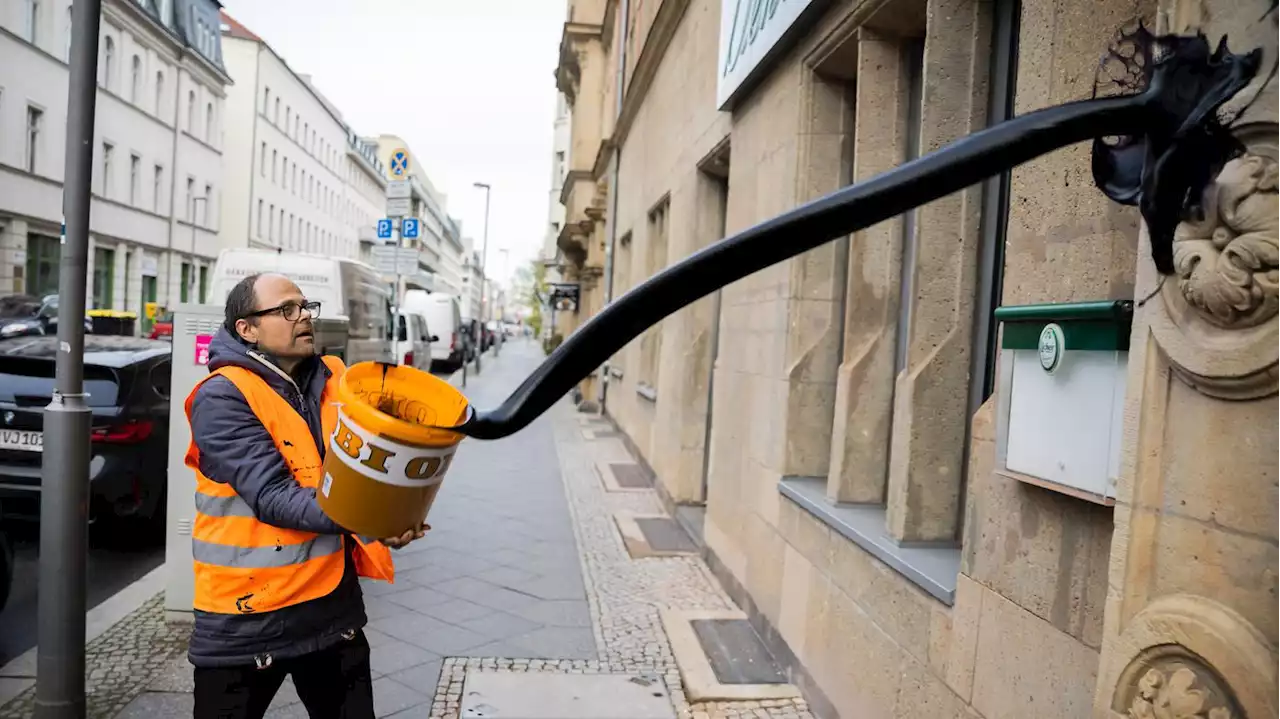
x=1176 y=690
x=1228 y=266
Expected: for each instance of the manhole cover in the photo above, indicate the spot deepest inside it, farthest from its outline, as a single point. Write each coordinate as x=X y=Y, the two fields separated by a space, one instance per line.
x=534 y=695
x=665 y=535
x=736 y=653
x=630 y=475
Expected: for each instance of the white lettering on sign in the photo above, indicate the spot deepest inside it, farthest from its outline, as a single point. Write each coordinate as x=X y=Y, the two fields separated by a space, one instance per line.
x=749 y=31
x=386 y=460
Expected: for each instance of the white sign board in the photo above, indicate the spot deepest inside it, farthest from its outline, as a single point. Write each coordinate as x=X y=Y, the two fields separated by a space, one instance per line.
x=392 y=260
x=398 y=207
x=398 y=190
x=749 y=31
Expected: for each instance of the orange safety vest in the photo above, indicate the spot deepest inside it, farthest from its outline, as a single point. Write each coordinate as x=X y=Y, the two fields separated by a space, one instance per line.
x=245 y=566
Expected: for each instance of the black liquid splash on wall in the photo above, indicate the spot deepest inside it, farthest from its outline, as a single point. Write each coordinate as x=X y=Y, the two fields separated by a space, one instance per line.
x=1166 y=144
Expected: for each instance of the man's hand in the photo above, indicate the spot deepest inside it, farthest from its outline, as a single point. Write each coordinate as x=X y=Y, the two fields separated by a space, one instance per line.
x=408 y=536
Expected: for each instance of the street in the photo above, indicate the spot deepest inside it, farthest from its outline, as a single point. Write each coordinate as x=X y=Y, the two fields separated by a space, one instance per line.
x=113 y=565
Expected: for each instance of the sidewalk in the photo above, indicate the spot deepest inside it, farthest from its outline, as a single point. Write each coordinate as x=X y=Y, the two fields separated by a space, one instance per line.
x=523 y=583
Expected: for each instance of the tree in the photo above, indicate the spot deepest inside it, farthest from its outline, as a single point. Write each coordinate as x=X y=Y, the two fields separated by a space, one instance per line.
x=529 y=287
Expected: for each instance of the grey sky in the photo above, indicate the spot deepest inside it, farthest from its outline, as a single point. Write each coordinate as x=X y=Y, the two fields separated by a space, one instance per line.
x=467 y=83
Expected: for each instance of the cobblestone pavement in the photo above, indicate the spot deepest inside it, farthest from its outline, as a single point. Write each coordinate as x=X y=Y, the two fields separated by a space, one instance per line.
x=118 y=663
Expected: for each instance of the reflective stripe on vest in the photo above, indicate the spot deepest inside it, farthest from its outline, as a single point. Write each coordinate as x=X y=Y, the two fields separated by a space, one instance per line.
x=243 y=565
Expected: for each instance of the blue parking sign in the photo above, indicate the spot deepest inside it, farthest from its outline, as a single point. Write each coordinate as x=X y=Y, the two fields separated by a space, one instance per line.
x=384 y=229
x=409 y=228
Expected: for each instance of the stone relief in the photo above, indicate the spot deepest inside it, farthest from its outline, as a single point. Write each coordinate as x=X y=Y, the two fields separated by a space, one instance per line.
x=1177 y=692
x=1227 y=264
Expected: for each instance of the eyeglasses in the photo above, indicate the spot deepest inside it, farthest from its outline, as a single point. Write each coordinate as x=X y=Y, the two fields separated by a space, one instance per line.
x=290 y=311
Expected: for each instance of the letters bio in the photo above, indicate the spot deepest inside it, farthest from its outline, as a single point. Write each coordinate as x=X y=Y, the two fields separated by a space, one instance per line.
x=375 y=457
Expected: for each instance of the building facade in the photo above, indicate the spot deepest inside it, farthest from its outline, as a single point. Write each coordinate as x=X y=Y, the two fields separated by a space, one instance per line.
x=288 y=148
x=842 y=432
x=157 y=181
x=365 y=193
x=440 y=249
x=471 y=279
x=551 y=256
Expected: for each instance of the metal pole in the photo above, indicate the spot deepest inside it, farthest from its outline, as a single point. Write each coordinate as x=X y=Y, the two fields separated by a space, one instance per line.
x=397 y=241
x=64 y=520
x=484 y=278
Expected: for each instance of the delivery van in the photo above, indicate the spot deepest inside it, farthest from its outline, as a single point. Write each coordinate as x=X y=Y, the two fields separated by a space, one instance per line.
x=414 y=340
x=443 y=314
x=355 y=304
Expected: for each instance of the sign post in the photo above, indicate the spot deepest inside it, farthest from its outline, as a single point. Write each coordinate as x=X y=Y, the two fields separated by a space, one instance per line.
x=399 y=206
x=64 y=521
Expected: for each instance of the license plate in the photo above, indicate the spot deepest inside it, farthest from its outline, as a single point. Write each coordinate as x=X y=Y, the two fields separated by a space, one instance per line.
x=21 y=439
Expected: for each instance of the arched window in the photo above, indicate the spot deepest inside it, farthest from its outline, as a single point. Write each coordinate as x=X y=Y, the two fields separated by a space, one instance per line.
x=191 y=111
x=108 y=64
x=135 y=79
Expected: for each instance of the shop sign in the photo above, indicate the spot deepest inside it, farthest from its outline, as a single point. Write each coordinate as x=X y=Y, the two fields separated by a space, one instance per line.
x=1053 y=343
x=564 y=296
x=750 y=31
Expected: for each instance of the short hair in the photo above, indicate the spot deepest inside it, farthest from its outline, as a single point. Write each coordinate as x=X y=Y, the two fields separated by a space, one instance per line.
x=241 y=302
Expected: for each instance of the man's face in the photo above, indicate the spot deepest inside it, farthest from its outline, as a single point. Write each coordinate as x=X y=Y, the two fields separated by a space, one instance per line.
x=271 y=331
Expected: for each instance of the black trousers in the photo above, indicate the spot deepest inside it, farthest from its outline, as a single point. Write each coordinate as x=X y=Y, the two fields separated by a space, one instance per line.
x=335 y=683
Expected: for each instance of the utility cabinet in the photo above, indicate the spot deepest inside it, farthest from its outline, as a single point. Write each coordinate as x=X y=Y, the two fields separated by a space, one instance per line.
x=1060 y=390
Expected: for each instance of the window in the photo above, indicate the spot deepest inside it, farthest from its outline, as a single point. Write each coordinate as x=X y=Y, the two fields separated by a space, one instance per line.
x=288 y=118
x=135 y=178
x=108 y=62
x=44 y=256
x=157 y=187
x=35 y=123
x=204 y=206
x=191 y=112
x=70 y=23
x=104 y=266
x=275 y=157
x=259 y=218
x=33 y=21
x=262 y=160
x=284 y=173
x=271 y=223
x=656 y=256
x=204 y=284
x=191 y=200
x=293 y=185
x=559 y=165
x=266 y=100
x=135 y=79
x=208 y=123
x=159 y=94
x=184 y=290
x=107 y=151
x=276 y=113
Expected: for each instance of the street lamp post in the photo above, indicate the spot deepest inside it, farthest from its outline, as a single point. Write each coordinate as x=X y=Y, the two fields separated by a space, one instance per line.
x=484 y=279
x=64 y=521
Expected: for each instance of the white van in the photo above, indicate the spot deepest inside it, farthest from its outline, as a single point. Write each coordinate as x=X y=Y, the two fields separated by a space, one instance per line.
x=444 y=320
x=414 y=340
x=355 y=304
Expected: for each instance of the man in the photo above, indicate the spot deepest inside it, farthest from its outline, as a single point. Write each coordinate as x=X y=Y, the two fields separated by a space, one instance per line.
x=277 y=590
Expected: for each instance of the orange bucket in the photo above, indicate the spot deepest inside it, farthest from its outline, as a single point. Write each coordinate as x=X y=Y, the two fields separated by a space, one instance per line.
x=386 y=458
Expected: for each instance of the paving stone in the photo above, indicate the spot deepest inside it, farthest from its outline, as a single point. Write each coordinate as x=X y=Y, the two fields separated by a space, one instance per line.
x=561 y=613
x=159 y=705
x=390 y=697
x=456 y=611
x=422 y=678
x=397 y=655
x=500 y=625
x=558 y=643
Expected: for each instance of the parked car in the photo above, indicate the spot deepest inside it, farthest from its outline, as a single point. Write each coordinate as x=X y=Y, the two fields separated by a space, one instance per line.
x=127 y=383
x=163 y=327
x=414 y=340
x=444 y=317
x=28 y=315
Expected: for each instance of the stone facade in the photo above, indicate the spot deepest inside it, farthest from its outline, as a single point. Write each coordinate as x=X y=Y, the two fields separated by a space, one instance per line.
x=840 y=372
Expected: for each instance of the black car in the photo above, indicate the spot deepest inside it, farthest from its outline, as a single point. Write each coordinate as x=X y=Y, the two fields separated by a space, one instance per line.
x=127 y=382
x=27 y=315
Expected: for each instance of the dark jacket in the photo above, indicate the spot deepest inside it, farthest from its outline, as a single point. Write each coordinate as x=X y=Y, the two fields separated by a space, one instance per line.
x=235 y=448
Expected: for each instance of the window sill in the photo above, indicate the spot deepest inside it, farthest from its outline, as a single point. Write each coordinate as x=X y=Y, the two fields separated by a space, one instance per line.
x=932 y=568
x=647 y=392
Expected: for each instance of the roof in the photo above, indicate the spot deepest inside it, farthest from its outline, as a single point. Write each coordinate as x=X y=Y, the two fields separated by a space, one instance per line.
x=236 y=29
x=101 y=350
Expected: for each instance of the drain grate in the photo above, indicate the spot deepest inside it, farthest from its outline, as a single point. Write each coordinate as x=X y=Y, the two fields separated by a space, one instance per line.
x=665 y=535
x=629 y=475
x=736 y=654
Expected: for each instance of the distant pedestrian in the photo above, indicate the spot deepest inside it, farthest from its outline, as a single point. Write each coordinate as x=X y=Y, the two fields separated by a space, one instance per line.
x=276 y=581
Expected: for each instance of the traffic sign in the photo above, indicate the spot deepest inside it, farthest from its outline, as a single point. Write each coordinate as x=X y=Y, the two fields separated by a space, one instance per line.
x=399 y=163
x=384 y=229
x=409 y=228
x=398 y=189
x=393 y=260
x=398 y=207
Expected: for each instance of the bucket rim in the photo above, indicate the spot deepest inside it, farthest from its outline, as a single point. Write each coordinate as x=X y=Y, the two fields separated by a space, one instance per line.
x=401 y=429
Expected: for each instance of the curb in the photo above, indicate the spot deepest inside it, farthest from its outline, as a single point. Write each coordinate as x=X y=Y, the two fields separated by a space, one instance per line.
x=97 y=620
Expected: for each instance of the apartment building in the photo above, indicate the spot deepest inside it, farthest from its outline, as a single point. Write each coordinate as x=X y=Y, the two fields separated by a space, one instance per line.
x=157 y=184
x=288 y=148
x=365 y=193
x=559 y=166
x=844 y=434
